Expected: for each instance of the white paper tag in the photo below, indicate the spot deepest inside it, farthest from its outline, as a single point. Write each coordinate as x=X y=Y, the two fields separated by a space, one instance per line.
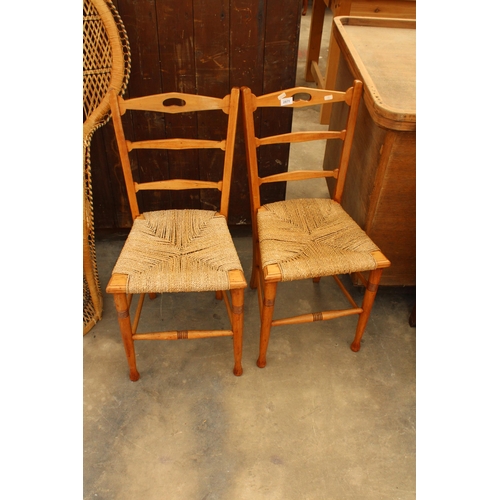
x=286 y=101
x=282 y=96
x=328 y=97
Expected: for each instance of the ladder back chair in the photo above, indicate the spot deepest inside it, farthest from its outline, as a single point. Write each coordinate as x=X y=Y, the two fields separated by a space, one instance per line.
x=299 y=239
x=106 y=64
x=177 y=250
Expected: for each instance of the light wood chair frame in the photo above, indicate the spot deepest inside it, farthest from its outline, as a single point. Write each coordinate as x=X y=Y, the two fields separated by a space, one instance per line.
x=266 y=279
x=234 y=297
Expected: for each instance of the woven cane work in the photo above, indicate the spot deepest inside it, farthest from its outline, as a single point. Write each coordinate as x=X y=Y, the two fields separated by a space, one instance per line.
x=178 y=251
x=304 y=237
x=92 y=296
x=99 y=67
x=106 y=62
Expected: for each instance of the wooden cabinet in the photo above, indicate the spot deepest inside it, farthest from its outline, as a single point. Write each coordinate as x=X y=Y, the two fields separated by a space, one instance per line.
x=380 y=190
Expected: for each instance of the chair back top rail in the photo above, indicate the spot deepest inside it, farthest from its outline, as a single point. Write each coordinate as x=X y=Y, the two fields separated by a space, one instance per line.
x=293 y=97
x=174 y=102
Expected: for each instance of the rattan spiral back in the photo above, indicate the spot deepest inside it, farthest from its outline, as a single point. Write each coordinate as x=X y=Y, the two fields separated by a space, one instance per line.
x=106 y=65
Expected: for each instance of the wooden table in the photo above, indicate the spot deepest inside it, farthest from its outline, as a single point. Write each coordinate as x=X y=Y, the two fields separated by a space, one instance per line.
x=380 y=186
x=403 y=9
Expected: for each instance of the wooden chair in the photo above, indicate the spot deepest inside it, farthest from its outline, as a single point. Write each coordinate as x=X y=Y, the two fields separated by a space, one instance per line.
x=177 y=250
x=306 y=238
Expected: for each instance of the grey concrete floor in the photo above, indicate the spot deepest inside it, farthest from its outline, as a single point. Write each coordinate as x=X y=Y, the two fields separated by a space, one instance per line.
x=319 y=422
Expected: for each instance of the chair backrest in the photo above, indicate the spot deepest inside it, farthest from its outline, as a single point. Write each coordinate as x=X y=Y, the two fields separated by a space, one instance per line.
x=174 y=103
x=106 y=60
x=298 y=97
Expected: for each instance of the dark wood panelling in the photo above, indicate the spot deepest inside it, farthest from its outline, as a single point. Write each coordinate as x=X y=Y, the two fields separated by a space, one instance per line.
x=205 y=47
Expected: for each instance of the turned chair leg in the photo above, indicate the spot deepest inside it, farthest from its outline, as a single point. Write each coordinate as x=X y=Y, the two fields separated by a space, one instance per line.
x=265 y=321
x=368 y=299
x=237 y=326
x=122 y=309
x=254 y=280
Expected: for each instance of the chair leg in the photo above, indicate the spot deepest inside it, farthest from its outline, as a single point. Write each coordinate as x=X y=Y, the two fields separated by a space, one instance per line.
x=265 y=321
x=218 y=295
x=122 y=309
x=237 y=296
x=254 y=280
x=368 y=299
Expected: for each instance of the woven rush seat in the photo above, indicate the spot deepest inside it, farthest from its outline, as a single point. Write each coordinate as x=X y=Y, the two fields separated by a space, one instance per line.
x=308 y=238
x=178 y=251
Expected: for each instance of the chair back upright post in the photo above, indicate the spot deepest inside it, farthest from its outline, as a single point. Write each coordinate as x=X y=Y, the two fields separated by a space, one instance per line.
x=249 y=107
x=173 y=103
x=116 y=113
x=353 y=98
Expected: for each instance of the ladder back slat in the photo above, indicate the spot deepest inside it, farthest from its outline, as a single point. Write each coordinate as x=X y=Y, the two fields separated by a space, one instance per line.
x=297 y=175
x=293 y=137
x=178 y=184
x=176 y=144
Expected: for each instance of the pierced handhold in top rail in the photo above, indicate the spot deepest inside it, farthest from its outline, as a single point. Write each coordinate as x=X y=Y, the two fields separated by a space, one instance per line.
x=174 y=101
x=302 y=96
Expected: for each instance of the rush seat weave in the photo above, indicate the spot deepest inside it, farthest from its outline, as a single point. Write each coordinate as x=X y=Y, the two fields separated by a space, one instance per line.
x=308 y=238
x=178 y=251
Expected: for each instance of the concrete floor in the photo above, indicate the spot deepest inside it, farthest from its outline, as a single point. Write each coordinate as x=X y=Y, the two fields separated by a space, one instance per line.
x=319 y=422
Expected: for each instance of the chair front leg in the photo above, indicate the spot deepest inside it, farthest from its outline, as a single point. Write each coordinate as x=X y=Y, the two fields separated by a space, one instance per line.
x=267 y=311
x=237 y=296
x=122 y=308
x=368 y=299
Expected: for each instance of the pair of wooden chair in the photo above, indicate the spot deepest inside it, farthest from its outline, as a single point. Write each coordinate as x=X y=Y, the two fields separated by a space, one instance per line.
x=191 y=250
